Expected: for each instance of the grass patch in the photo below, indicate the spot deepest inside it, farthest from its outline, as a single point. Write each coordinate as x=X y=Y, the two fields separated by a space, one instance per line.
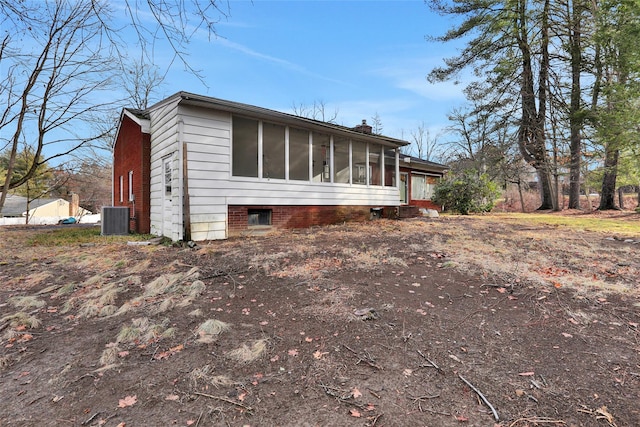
x=26 y=302
x=21 y=319
x=78 y=235
x=574 y=222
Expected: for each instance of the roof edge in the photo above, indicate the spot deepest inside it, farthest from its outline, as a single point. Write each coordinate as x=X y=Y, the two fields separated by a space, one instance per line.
x=261 y=112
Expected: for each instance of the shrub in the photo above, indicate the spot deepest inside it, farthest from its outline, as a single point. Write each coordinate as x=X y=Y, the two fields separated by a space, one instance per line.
x=466 y=193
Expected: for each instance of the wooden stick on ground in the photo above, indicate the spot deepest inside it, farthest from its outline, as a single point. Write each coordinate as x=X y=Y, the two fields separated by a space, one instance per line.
x=484 y=399
x=224 y=399
x=429 y=360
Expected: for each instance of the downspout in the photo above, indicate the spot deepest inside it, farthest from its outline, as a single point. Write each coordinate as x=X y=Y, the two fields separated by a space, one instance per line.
x=398 y=171
x=186 y=209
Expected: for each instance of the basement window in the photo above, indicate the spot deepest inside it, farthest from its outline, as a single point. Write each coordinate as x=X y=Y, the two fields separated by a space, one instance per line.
x=259 y=217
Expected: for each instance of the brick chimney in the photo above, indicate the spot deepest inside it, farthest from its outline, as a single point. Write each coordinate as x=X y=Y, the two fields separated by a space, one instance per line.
x=363 y=128
x=74 y=205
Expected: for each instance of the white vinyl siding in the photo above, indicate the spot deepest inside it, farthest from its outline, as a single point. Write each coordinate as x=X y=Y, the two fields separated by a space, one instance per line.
x=207 y=135
x=164 y=131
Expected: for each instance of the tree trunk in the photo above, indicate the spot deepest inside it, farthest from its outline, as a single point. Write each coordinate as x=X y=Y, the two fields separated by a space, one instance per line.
x=531 y=135
x=621 y=198
x=575 y=121
x=522 y=197
x=575 y=115
x=608 y=192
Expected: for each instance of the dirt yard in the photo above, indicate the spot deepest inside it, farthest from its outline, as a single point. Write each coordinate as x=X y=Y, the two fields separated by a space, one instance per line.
x=452 y=321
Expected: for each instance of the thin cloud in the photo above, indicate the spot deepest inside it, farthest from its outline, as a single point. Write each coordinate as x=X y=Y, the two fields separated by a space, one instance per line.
x=274 y=60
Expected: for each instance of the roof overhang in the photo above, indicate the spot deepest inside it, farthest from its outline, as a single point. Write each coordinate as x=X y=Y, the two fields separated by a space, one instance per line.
x=277 y=116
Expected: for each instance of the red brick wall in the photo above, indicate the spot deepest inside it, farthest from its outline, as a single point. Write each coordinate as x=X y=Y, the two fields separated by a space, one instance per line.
x=427 y=204
x=302 y=216
x=132 y=152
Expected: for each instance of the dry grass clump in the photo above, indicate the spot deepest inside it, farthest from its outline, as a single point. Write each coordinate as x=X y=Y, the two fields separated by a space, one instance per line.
x=248 y=353
x=21 y=319
x=35 y=279
x=209 y=330
x=67 y=289
x=139 y=267
x=4 y=362
x=26 y=302
x=98 y=302
x=205 y=376
x=142 y=330
x=109 y=355
x=168 y=283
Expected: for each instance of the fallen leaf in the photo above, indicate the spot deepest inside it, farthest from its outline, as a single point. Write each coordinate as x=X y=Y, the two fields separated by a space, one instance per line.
x=293 y=352
x=356 y=393
x=123 y=353
x=566 y=335
x=370 y=407
x=191 y=422
x=318 y=354
x=461 y=418
x=308 y=339
x=241 y=397
x=355 y=413
x=127 y=401
x=454 y=357
x=501 y=290
x=122 y=424
x=407 y=372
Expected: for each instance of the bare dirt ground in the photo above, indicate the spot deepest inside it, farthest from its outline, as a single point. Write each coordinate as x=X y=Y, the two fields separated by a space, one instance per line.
x=453 y=321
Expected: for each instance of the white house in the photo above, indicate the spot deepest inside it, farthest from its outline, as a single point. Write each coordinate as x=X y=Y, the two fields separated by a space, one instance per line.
x=193 y=167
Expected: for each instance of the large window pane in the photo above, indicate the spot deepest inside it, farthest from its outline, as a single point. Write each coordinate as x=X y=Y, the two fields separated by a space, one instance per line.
x=422 y=187
x=375 y=164
x=321 y=153
x=389 y=168
x=359 y=164
x=272 y=151
x=245 y=147
x=298 y=154
x=341 y=160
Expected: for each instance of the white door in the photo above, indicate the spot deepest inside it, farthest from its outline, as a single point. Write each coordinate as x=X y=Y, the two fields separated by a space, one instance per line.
x=167 y=206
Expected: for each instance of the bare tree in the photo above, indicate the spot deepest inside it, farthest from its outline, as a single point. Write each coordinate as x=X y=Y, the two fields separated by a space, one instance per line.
x=63 y=60
x=376 y=124
x=141 y=82
x=423 y=144
x=316 y=111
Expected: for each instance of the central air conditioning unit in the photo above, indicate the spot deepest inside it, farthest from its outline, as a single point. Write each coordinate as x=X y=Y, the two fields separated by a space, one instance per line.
x=115 y=220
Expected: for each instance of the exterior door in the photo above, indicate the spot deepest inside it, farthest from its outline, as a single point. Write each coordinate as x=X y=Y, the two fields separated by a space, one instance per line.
x=167 y=206
x=404 y=188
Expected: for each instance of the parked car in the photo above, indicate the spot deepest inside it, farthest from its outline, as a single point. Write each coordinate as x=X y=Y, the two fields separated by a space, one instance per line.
x=70 y=220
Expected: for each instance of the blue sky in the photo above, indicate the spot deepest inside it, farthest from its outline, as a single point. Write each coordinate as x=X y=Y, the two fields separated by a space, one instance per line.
x=360 y=58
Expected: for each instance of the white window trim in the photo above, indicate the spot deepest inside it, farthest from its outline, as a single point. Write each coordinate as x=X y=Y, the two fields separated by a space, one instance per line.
x=131 y=197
